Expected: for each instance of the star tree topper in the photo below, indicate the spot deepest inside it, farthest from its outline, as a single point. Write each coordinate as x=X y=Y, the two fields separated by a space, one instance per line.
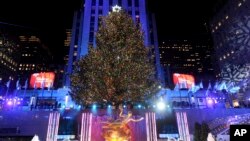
x=116 y=8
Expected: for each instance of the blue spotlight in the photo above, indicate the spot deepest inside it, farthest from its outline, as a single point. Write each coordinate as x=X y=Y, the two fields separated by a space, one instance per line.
x=124 y=106
x=109 y=106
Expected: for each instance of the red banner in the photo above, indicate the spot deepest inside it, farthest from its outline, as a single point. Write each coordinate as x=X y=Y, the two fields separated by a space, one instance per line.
x=184 y=80
x=42 y=80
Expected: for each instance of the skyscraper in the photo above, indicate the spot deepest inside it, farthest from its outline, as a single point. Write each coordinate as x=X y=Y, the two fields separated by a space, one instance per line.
x=35 y=56
x=85 y=24
x=21 y=53
x=187 y=56
x=9 y=56
x=230 y=29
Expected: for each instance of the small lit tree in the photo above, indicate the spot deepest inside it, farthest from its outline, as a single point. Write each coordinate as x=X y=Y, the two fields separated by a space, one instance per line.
x=119 y=68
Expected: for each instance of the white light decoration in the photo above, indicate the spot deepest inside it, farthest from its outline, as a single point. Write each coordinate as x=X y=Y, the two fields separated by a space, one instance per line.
x=161 y=105
x=116 y=8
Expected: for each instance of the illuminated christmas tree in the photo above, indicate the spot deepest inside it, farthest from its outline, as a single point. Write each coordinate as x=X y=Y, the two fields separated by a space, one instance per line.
x=119 y=68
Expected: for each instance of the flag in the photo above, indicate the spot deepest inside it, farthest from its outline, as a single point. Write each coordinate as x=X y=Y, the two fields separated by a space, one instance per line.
x=201 y=85
x=222 y=86
x=191 y=88
x=209 y=86
x=216 y=86
x=50 y=85
x=34 y=85
x=43 y=83
x=8 y=83
x=26 y=84
x=177 y=86
x=17 y=84
x=183 y=85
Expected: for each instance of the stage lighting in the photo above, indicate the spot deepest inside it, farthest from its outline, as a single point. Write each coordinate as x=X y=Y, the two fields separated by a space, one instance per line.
x=161 y=105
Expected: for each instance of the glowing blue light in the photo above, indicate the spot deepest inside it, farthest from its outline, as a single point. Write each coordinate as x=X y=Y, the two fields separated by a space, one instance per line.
x=154 y=106
x=94 y=106
x=63 y=106
x=139 y=106
x=161 y=105
x=124 y=106
x=109 y=106
x=79 y=106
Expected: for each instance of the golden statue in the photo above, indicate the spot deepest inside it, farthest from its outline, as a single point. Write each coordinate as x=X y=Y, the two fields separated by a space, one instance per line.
x=119 y=130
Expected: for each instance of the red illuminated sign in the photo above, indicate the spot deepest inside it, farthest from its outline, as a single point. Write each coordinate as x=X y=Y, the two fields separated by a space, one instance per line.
x=184 y=80
x=42 y=80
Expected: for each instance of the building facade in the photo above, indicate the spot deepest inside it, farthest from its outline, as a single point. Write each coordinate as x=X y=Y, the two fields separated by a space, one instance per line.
x=21 y=54
x=230 y=28
x=9 y=49
x=85 y=24
x=188 y=57
x=35 y=56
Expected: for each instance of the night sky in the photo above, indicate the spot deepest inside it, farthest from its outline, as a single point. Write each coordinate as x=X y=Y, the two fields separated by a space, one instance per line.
x=176 y=19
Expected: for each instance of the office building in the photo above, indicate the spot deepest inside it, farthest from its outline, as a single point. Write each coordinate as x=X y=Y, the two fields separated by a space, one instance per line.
x=21 y=54
x=9 y=50
x=230 y=29
x=85 y=24
x=35 y=56
x=188 y=57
